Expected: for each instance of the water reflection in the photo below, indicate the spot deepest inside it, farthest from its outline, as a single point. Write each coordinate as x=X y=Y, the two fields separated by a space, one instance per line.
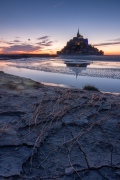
x=104 y=75
x=77 y=68
x=105 y=64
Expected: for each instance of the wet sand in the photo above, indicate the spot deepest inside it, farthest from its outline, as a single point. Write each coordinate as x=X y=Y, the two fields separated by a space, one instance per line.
x=57 y=133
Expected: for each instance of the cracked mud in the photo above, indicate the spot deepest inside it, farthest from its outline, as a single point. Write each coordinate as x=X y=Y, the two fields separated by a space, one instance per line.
x=57 y=133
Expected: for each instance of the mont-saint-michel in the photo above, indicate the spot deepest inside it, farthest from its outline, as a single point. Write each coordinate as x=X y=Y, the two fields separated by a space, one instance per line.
x=79 y=46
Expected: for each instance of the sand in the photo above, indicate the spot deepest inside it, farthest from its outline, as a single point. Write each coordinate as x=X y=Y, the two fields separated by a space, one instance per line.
x=57 y=133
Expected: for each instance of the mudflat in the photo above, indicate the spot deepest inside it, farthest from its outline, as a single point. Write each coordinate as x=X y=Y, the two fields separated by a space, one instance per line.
x=57 y=133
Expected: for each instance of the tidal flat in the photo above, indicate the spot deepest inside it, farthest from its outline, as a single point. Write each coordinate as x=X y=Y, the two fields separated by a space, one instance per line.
x=57 y=133
x=102 y=72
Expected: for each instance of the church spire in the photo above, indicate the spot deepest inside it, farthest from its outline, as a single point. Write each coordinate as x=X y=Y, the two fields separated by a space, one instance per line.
x=78 y=34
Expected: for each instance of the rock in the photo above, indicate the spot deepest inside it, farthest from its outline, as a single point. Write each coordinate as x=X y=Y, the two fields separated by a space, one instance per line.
x=69 y=170
x=118 y=173
x=11 y=160
x=106 y=106
x=83 y=121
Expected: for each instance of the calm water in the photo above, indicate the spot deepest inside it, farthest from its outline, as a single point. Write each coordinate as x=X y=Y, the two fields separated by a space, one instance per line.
x=100 y=71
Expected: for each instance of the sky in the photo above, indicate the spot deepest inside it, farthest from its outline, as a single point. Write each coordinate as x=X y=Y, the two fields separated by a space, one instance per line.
x=45 y=26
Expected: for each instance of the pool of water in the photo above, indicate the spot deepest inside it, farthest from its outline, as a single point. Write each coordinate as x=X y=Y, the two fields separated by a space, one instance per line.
x=103 y=74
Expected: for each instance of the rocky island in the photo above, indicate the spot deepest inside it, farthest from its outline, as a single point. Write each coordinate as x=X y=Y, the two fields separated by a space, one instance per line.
x=57 y=133
x=79 y=46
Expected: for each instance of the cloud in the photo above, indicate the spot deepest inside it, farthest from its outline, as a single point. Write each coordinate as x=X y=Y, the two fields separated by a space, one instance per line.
x=41 y=43
x=16 y=41
x=17 y=37
x=118 y=39
x=43 y=37
x=10 y=43
x=17 y=46
x=106 y=44
x=45 y=43
x=58 y=4
x=49 y=43
x=22 y=48
x=2 y=40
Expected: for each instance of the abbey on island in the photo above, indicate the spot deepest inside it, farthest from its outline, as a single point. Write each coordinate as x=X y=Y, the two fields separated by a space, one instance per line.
x=79 y=46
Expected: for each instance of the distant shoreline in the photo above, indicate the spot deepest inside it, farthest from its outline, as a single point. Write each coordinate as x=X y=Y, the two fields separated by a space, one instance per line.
x=51 y=55
x=110 y=58
x=18 y=56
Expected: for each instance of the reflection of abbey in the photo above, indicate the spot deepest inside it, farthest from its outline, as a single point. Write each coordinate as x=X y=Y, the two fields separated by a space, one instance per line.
x=77 y=68
x=79 y=46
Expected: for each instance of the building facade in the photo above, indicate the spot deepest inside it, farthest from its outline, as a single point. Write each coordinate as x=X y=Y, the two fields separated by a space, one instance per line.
x=79 y=46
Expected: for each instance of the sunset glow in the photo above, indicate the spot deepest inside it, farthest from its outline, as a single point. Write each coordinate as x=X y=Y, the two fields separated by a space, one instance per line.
x=46 y=26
